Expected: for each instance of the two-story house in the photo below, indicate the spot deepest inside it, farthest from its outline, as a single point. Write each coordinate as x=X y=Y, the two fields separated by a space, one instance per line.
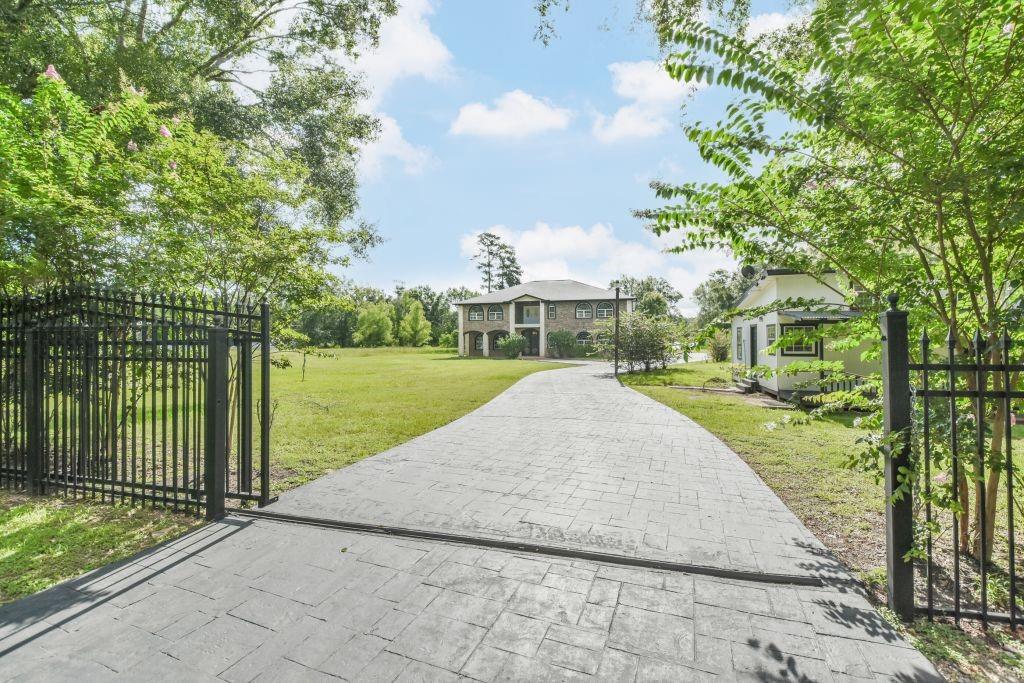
x=535 y=310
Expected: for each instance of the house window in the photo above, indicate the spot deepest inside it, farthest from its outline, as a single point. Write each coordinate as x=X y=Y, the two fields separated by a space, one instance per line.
x=771 y=334
x=584 y=310
x=739 y=344
x=551 y=311
x=806 y=347
x=476 y=312
x=495 y=313
x=605 y=310
x=584 y=339
x=478 y=342
x=495 y=340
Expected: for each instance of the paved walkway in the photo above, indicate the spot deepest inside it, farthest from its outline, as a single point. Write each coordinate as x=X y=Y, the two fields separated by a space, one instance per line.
x=244 y=600
x=572 y=458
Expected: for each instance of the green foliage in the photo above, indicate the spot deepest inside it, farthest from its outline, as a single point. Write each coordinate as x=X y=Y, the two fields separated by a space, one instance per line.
x=653 y=304
x=414 y=329
x=718 y=345
x=638 y=287
x=718 y=295
x=513 y=345
x=645 y=342
x=448 y=340
x=272 y=76
x=374 y=326
x=496 y=260
x=562 y=343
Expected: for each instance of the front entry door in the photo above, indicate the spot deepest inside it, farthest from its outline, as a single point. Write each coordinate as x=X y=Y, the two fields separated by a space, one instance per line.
x=753 y=345
x=532 y=342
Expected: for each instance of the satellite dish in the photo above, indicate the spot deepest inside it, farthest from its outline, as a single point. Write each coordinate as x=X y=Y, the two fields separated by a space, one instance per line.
x=748 y=271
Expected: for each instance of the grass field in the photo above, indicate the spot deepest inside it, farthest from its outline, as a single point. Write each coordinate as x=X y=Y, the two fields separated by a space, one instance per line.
x=45 y=540
x=350 y=405
x=805 y=465
x=363 y=401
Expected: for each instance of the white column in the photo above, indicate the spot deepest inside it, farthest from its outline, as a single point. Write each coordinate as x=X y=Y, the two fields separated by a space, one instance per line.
x=512 y=317
x=462 y=341
x=487 y=343
x=543 y=325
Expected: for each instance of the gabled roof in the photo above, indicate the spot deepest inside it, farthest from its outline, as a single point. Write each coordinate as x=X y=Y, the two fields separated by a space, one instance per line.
x=546 y=290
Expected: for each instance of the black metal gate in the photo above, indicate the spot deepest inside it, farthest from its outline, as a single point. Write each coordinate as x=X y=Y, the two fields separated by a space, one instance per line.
x=949 y=417
x=128 y=397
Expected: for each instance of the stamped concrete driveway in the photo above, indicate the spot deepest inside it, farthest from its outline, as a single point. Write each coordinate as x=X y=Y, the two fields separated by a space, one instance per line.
x=564 y=457
x=572 y=458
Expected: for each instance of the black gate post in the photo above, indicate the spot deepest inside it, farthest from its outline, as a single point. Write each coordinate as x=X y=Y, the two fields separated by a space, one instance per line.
x=899 y=515
x=264 y=403
x=216 y=420
x=616 y=331
x=33 y=413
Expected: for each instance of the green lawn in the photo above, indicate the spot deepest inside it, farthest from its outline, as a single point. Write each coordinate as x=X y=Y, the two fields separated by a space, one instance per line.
x=804 y=465
x=45 y=540
x=363 y=401
x=697 y=374
x=353 y=404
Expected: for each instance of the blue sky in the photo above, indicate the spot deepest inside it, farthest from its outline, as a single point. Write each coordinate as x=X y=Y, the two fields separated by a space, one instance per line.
x=485 y=128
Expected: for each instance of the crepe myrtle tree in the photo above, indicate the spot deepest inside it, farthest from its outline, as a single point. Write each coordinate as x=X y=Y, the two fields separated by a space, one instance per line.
x=899 y=169
x=645 y=342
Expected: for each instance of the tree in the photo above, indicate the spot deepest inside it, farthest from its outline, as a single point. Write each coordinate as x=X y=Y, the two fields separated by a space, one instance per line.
x=373 y=328
x=124 y=196
x=644 y=341
x=487 y=259
x=899 y=171
x=513 y=345
x=637 y=287
x=510 y=273
x=653 y=304
x=415 y=328
x=268 y=74
x=719 y=294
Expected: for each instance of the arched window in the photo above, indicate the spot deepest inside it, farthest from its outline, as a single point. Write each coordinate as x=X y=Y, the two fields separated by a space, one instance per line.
x=478 y=342
x=496 y=338
x=495 y=312
x=476 y=312
x=605 y=310
x=584 y=339
x=584 y=310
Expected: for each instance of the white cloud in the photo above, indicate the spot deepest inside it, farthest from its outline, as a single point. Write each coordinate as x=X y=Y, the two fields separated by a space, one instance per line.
x=391 y=144
x=595 y=255
x=408 y=48
x=769 y=22
x=516 y=114
x=653 y=93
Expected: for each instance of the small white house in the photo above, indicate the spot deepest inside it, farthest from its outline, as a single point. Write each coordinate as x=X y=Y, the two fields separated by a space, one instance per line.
x=753 y=334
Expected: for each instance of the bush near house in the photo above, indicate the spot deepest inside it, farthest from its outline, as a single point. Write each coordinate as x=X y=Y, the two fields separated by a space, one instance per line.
x=513 y=345
x=645 y=342
x=562 y=343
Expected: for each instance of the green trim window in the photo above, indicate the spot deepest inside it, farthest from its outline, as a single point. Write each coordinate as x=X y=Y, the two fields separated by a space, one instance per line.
x=771 y=331
x=584 y=310
x=495 y=312
x=605 y=310
x=803 y=348
x=476 y=313
x=551 y=311
x=739 y=344
x=584 y=339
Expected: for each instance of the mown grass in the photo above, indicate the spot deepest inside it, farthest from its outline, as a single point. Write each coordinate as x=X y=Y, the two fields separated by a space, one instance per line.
x=45 y=540
x=697 y=374
x=354 y=403
x=805 y=464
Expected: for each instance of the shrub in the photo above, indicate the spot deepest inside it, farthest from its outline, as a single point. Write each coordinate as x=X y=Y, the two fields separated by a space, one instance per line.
x=718 y=346
x=562 y=343
x=513 y=345
x=644 y=341
x=448 y=340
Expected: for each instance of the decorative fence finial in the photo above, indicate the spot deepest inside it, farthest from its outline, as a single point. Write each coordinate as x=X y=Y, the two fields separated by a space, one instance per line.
x=894 y=299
